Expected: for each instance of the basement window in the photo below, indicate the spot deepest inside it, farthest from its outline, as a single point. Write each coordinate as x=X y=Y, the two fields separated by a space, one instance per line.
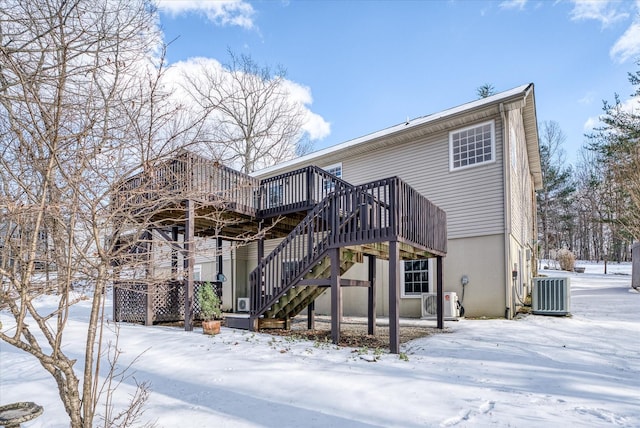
x=416 y=277
x=472 y=146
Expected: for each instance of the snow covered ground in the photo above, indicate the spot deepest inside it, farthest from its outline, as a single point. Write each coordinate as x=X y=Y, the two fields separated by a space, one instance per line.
x=536 y=371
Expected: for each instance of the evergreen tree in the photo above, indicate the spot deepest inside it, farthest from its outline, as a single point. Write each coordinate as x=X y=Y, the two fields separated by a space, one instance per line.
x=617 y=146
x=554 y=201
x=485 y=90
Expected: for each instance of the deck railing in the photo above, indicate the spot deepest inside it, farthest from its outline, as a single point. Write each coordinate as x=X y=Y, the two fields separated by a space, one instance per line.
x=420 y=221
x=379 y=211
x=194 y=177
x=188 y=176
x=297 y=190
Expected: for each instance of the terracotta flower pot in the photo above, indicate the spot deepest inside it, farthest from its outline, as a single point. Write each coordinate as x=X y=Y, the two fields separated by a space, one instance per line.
x=211 y=327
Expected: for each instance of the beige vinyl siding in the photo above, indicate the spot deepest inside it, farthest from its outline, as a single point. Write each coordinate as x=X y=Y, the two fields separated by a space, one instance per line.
x=466 y=195
x=521 y=181
x=480 y=259
x=473 y=198
x=269 y=246
x=205 y=252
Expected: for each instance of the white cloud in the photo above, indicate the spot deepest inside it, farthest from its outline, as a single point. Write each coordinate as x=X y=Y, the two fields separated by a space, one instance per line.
x=605 y=11
x=513 y=4
x=628 y=45
x=631 y=105
x=314 y=125
x=587 y=99
x=220 y=12
x=591 y=123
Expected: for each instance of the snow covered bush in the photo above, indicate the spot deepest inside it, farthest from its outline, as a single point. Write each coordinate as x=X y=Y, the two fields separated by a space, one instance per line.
x=566 y=259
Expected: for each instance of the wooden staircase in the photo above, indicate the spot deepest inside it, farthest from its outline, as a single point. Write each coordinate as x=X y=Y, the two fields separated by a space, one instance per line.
x=300 y=297
x=280 y=286
x=348 y=223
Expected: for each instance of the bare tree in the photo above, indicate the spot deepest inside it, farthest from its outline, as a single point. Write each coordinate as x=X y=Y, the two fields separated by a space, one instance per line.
x=69 y=74
x=253 y=122
x=91 y=144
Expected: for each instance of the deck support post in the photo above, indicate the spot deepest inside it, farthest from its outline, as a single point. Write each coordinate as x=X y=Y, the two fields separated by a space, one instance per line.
x=117 y=270
x=311 y=316
x=151 y=290
x=336 y=295
x=394 y=297
x=260 y=249
x=439 y=293
x=219 y=250
x=174 y=253
x=189 y=261
x=372 y=295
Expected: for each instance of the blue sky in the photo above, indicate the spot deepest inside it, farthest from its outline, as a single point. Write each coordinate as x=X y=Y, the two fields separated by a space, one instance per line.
x=368 y=65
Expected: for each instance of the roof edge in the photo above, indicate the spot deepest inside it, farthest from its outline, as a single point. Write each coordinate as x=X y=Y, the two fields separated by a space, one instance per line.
x=519 y=91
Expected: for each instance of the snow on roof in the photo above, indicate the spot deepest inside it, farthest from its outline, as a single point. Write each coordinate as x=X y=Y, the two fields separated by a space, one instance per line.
x=402 y=126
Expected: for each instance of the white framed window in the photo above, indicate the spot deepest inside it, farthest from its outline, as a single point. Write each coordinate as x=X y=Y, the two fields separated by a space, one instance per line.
x=336 y=170
x=197 y=272
x=472 y=146
x=416 y=277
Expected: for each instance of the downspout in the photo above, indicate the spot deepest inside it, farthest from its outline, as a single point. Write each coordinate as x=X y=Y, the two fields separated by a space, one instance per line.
x=507 y=213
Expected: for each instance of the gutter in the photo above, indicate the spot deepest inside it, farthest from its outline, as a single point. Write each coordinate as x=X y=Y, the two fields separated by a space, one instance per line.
x=507 y=212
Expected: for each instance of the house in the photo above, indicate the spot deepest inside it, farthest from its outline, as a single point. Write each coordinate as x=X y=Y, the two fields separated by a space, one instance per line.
x=16 y=235
x=364 y=219
x=480 y=163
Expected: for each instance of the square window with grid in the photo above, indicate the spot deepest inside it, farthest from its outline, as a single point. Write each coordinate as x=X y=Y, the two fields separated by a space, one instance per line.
x=472 y=146
x=416 y=277
x=336 y=170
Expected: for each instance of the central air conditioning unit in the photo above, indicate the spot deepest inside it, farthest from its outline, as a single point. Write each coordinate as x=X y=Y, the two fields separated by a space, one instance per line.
x=430 y=306
x=551 y=296
x=243 y=304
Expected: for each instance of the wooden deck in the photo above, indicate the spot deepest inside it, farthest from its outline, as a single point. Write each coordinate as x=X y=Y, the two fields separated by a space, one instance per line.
x=327 y=224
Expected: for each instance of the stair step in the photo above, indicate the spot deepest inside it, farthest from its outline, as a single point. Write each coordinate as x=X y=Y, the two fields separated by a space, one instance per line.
x=240 y=321
x=298 y=298
x=274 y=323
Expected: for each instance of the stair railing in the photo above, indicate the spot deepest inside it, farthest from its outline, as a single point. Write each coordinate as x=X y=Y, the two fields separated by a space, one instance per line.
x=347 y=216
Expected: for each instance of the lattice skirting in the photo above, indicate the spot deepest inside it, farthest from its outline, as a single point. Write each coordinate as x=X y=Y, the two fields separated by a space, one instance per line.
x=165 y=300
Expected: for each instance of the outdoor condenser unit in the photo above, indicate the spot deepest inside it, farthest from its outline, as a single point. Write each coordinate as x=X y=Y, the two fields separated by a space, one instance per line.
x=243 y=304
x=551 y=296
x=430 y=306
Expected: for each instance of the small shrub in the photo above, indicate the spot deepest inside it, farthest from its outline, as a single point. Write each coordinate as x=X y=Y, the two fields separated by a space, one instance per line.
x=566 y=259
x=209 y=302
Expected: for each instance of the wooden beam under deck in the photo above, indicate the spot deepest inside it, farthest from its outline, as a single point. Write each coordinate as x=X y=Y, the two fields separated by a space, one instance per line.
x=381 y=251
x=326 y=282
x=210 y=222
